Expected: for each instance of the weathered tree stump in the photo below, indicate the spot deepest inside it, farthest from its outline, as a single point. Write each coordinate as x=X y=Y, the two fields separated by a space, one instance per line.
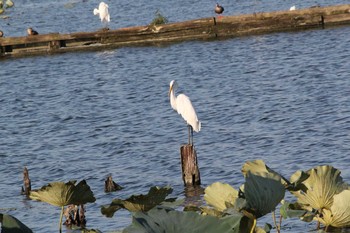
x=111 y=186
x=26 y=182
x=189 y=164
x=75 y=216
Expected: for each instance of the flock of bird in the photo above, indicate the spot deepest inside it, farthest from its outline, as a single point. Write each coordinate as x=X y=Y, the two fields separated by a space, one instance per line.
x=102 y=11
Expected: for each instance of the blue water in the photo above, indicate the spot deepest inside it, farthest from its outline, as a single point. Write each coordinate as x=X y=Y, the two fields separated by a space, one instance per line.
x=281 y=97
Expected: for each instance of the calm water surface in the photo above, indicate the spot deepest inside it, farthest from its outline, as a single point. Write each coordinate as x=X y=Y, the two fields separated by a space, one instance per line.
x=283 y=98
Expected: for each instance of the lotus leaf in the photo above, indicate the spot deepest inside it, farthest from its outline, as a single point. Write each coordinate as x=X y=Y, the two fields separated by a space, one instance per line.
x=263 y=192
x=160 y=220
x=318 y=190
x=289 y=210
x=220 y=196
x=155 y=196
x=339 y=214
x=10 y=224
x=258 y=167
x=62 y=194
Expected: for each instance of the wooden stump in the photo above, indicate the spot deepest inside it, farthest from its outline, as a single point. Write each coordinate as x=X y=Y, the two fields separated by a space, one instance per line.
x=26 y=182
x=111 y=186
x=190 y=170
x=75 y=215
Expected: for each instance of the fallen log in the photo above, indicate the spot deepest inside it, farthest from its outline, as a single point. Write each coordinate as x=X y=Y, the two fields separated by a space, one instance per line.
x=199 y=29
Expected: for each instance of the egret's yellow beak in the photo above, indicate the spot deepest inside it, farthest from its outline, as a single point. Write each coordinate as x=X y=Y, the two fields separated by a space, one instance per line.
x=170 y=89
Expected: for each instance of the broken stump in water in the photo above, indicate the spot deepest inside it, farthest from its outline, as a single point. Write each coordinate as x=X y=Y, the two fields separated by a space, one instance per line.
x=26 y=182
x=75 y=216
x=189 y=164
x=111 y=186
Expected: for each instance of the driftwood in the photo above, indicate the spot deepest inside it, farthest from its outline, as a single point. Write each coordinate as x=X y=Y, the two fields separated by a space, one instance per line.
x=190 y=170
x=111 y=186
x=26 y=182
x=199 y=29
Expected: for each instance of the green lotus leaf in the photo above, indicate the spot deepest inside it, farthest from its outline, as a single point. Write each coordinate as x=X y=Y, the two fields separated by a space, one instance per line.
x=339 y=214
x=319 y=188
x=258 y=167
x=263 y=192
x=155 y=196
x=161 y=220
x=62 y=194
x=220 y=195
x=10 y=224
x=290 y=210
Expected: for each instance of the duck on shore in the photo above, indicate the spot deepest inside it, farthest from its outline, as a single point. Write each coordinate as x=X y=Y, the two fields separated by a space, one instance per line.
x=32 y=32
x=1 y=34
x=219 y=9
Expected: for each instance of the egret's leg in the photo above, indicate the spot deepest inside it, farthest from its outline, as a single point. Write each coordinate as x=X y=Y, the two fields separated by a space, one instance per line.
x=189 y=134
x=192 y=135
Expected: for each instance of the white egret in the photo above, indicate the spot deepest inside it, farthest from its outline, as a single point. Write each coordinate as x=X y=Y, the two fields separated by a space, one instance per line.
x=182 y=104
x=292 y=8
x=103 y=12
x=219 y=9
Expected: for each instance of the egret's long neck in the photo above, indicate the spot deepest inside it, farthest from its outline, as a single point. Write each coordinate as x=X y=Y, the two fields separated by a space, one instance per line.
x=173 y=99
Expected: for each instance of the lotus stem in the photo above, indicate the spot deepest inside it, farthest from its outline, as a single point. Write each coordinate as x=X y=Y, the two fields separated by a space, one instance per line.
x=274 y=221
x=254 y=225
x=60 y=224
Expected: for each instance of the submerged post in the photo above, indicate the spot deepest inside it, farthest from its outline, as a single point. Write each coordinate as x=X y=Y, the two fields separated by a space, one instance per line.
x=26 y=188
x=189 y=164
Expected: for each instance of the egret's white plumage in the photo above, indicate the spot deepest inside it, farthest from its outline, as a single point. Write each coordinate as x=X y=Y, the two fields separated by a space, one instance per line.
x=103 y=12
x=292 y=8
x=182 y=104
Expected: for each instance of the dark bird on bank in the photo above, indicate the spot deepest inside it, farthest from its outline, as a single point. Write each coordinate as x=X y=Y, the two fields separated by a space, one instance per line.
x=1 y=34
x=219 y=9
x=32 y=32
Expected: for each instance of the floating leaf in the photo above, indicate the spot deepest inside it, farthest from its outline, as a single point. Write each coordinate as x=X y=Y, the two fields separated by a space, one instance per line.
x=161 y=220
x=263 y=193
x=339 y=214
x=10 y=224
x=155 y=196
x=220 y=196
x=319 y=188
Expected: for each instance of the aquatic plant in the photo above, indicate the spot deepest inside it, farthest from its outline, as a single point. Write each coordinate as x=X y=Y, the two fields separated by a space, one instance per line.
x=159 y=220
x=8 y=4
x=62 y=194
x=260 y=194
x=154 y=197
x=324 y=195
x=159 y=19
x=11 y=224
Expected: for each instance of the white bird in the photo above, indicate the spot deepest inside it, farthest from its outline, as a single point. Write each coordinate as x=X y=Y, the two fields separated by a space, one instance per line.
x=182 y=104
x=293 y=8
x=103 y=12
